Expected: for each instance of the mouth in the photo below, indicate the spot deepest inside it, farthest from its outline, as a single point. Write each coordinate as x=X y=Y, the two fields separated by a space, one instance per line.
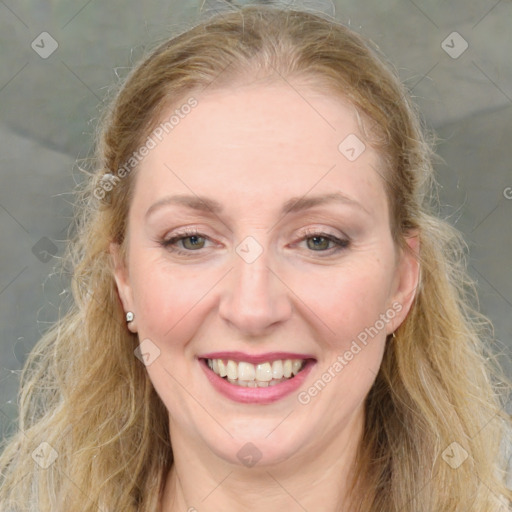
x=258 y=375
x=256 y=378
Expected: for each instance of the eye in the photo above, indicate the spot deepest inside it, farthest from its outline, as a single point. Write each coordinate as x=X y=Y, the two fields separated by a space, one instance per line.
x=196 y=242
x=191 y=240
x=319 y=241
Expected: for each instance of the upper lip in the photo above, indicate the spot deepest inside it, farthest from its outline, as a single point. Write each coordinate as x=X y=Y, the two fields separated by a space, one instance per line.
x=254 y=358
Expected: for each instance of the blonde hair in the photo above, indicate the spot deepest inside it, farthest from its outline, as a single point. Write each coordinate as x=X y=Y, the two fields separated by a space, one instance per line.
x=86 y=394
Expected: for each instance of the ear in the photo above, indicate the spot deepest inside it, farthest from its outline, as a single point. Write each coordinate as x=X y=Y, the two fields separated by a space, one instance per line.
x=122 y=279
x=405 y=284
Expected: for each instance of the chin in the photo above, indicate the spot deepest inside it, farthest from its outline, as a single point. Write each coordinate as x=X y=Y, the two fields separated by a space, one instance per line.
x=261 y=445
x=259 y=453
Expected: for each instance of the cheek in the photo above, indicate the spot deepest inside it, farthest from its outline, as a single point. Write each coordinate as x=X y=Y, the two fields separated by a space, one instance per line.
x=347 y=300
x=168 y=298
x=352 y=337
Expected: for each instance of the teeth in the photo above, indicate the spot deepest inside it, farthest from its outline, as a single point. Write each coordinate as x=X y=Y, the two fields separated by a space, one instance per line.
x=287 y=368
x=296 y=366
x=232 y=369
x=246 y=371
x=222 y=368
x=277 y=369
x=260 y=375
x=264 y=372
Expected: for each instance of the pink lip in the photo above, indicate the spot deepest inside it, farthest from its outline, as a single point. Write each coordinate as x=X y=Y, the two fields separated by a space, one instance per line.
x=256 y=395
x=254 y=358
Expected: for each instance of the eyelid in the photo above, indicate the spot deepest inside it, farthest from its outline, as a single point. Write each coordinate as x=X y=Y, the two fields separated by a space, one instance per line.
x=186 y=231
x=325 y=232
x=309 y=231
x=340 y=242
x=182 y=234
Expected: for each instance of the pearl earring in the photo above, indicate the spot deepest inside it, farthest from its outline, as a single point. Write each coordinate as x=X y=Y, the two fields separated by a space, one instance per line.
x=129 y=316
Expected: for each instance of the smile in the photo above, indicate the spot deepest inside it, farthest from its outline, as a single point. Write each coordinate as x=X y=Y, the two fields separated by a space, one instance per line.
x=259 y=375
x=256 y=378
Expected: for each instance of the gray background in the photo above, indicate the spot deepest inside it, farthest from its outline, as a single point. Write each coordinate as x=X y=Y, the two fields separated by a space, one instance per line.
x=49 y=107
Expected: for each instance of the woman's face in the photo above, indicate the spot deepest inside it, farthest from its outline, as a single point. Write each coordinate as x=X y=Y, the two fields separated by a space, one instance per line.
x=259 y=234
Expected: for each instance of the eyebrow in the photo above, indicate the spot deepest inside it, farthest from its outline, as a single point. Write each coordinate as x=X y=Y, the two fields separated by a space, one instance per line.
x=292 y=205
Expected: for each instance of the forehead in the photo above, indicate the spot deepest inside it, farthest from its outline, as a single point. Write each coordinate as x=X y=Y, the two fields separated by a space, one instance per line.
x=271 y=141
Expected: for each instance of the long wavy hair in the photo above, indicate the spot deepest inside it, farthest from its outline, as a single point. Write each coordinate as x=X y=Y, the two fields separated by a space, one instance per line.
x=438 y=397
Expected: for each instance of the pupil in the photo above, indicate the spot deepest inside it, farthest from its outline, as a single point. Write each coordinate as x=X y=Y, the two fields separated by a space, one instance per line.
x=317 y=241
x=193 y=240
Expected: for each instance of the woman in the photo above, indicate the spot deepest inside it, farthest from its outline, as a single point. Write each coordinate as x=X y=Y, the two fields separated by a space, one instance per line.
x=268 y=314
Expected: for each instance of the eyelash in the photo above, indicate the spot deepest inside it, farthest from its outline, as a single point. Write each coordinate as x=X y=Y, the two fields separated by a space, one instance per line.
x=167 y=244
x=340 y=244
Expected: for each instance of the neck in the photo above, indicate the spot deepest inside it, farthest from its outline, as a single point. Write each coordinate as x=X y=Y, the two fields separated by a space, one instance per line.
x=316 y=479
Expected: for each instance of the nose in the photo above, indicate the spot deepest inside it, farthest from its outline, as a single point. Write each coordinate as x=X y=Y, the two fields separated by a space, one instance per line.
x=255 y=299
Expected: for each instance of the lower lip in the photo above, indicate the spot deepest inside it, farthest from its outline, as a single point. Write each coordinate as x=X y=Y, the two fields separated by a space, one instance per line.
x=257 y=395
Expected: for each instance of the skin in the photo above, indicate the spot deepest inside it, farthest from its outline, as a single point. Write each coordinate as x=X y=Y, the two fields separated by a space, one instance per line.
x=251 y=149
